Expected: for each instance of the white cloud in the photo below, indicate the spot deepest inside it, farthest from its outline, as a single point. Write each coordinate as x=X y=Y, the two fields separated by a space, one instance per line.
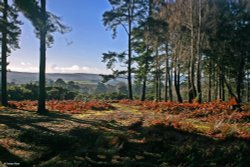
x=85 y=68
x=25 y=63
x=73 y=68
x=28 y=67
x=23 y=69
x=77 y=69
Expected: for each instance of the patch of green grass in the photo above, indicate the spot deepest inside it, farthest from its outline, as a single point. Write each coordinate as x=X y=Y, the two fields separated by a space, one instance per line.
x=245 y=128
x=203 y=127
x=131 y=109
x=91 y=113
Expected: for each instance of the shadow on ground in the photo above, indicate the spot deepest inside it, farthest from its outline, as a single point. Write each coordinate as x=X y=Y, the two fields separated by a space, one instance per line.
x=108 y=143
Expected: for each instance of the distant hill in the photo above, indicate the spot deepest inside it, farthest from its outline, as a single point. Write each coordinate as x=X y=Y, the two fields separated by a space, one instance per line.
x=24 y=77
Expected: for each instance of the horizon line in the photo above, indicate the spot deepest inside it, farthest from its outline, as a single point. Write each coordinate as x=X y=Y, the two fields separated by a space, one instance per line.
x=56 y=72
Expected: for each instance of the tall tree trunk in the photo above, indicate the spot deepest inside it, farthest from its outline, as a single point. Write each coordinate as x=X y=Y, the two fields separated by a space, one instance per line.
x=156 y=88
x=144 y=85
x=130 y=91
x=215 y=83
x=248 y=87
x=192 y=64
x=198 y=44
x=210 y=82
x=166 y=86
x=219 y=85
x=166 y=75
x=144 y=82
x=240 y=79
x=170 y=82
x=157 y=76
x=4 y=99
x=199 y=91
x=190 y=93
x=42 y=69
x=244 y=91
x=177 y=82
x=198 y=77
x=159 y=88
x=230 y=89
x=223 y=86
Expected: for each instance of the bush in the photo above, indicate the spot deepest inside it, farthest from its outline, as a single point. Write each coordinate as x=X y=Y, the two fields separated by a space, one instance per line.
x=20 y=93
x=59 y=93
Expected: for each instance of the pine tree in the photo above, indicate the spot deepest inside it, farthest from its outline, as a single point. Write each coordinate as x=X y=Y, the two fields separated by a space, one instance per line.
x=45 y=24
x=125 y=13
x=10 y=33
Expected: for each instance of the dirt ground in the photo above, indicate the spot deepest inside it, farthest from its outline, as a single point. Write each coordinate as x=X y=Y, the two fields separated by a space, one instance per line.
x=124 y=136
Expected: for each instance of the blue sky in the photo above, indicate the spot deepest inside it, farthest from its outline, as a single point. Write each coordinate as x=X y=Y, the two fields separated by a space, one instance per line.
x=88 y=38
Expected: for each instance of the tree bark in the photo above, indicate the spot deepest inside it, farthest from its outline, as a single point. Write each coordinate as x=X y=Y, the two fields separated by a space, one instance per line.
x=166 y=75
x=198 y=44
x=4 y=99
x=230 y=90
x=159 y=88
x=170 y=82
x=143 y=92
x=157 y=76
x=177 y=82
x=219 y=85
x=179 y=87
x=199 y=91
x=192 y=64
x=42 y=68
x=240 y=79
x=248 y=87
x=130 y=89
x=190 y=93
x=223 y=86
x=210 y=82
x=156 y=89
x=215 y=83
x=144 y=82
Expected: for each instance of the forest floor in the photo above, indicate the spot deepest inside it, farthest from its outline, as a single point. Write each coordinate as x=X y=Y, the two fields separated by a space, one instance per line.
x=125 y=133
